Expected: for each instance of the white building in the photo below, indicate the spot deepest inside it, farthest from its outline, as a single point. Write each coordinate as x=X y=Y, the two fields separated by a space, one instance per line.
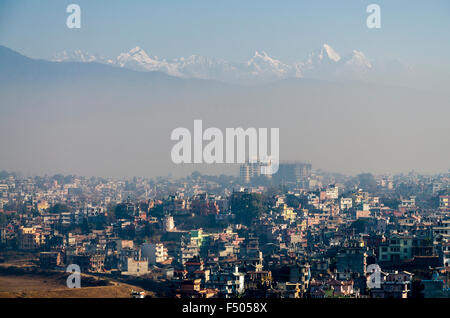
x=154 y=253
x=346 y=203
x=169 y=223
x=332 y=192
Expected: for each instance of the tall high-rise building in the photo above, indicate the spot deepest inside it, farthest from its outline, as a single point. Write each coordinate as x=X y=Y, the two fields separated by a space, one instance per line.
x=250 y=170
x=292 y=172
x=288 y=172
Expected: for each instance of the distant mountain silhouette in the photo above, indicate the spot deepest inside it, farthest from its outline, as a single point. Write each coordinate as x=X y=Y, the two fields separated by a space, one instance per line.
x=98 y=119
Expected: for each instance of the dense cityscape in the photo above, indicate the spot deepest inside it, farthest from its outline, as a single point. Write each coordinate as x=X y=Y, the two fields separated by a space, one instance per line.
x=224 y=157
x=301 y=233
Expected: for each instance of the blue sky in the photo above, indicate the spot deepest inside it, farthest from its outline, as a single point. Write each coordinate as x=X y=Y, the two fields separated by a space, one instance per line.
x=416 y=32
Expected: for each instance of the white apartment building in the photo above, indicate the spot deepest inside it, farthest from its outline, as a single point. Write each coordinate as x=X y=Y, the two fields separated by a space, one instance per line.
x=154 y=253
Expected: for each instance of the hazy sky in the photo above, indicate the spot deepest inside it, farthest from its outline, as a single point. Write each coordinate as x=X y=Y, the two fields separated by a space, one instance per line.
x=89 y=122
x=416 y=32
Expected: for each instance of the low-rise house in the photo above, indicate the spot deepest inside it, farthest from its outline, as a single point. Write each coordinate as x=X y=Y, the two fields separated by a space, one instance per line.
x=393 y=285
x=134 y=267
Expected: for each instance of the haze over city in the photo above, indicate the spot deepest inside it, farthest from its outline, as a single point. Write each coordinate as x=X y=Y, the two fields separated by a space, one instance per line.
x=347 y=98
x=251 y=155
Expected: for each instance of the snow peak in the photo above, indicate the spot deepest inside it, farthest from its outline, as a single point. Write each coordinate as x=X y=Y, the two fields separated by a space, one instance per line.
x=199 y=308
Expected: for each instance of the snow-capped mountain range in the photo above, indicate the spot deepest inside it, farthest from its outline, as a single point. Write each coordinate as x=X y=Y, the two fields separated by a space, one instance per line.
x=323 y=63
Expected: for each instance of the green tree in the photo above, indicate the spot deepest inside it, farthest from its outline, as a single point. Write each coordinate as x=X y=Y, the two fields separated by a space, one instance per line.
x=367 y=182
x=391 y=202
x=121 y=211
x=293 y=201
x=59 y=208
x=247 y=206
x=3 y=219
